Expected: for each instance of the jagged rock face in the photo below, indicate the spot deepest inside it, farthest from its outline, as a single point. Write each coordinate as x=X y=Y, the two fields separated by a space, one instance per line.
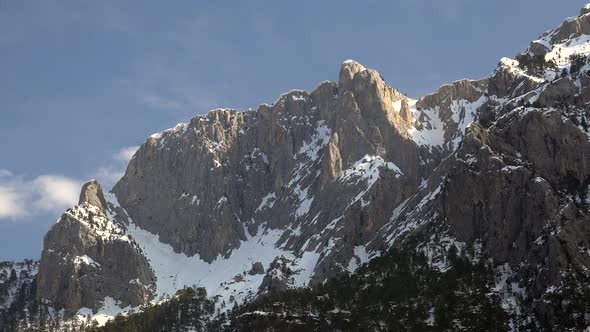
x=571 y=28
x=223 y=166
x=517 y=188
x=520 y=188
x=257 y=268
x=503 y=188
x=509 y=81
x=86 y=257
x=468 y=90
x=317 y=183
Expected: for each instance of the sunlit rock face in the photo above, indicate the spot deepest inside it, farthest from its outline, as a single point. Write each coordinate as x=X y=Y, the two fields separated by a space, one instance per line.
x=317 y=183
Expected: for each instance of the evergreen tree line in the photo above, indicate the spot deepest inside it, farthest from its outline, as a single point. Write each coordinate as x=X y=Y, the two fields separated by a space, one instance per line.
x=190 y=310
x=536 y=65
x=399 y=291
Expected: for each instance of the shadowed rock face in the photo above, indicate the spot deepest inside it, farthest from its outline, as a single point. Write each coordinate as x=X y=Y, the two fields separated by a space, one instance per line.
x=520 y=188
x=343 y=173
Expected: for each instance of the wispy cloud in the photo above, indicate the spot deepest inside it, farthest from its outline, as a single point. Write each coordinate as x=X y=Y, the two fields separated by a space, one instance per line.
x=125 y=154
x=168 y=89
x=56 y=192
x=159 y=102
x=5 y=172
x=109 y=174
x=20 y=197
x=12 y=202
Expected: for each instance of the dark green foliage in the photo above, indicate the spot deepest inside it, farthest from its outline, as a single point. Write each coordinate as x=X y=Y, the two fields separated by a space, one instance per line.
x=577 y=62
x=564 y=72
x=188 y=309
x=566 y=307
x=23 y=307
x=395 y=292
x=535 y=64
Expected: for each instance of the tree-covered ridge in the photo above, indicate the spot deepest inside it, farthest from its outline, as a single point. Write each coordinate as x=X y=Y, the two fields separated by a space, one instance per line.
x=189 y=310
x=395 y=292
x=399 y=291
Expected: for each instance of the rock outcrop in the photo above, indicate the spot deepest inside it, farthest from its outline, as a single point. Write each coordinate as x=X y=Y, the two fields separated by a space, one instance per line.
x=91 y=194
x=87 y=257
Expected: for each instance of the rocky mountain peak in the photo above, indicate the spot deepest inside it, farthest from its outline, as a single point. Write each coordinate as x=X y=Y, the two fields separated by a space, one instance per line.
x=357 y=78
x=318 y=183
x=366 y=90
x=569 y=32
x=348 y=70
x=92 y=194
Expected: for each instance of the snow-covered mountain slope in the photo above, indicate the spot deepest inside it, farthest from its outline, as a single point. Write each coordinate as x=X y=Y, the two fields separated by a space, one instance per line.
x=318 y=183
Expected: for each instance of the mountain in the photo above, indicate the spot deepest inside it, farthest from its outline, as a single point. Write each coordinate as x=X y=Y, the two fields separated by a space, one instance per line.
x=479 y=192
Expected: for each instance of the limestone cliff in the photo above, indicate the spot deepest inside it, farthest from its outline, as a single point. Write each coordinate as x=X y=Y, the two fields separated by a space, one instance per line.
x=319 y=182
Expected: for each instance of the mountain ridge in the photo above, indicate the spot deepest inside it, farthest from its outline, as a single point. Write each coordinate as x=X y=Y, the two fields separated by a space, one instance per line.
x=318 y=183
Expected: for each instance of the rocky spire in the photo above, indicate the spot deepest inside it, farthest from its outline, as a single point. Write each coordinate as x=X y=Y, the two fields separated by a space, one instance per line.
x=348 y=69
x=92 y=194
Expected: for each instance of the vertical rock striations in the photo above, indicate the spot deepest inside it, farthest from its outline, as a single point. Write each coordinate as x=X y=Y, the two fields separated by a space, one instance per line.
x=319 y=182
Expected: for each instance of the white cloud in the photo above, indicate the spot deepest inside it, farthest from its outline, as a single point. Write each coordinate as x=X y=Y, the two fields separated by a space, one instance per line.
x=108 y=176
x=5 y=172
x=125 y=154
x=20 y=197
x=11 y=203
x=56 y=192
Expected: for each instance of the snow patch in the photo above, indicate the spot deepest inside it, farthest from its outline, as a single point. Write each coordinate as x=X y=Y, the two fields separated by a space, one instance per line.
x=85 y=260
x=319 y=139
x=560 y=53
x=267 y=202
x=432 y=131
x=360 y=257
x=178 y=130
x=304 y=267
x=367 y=169
x=304 y=201
x=176 y=270
x=93 y=218
x=510 y=292
x=464 y=113
x=108 y=311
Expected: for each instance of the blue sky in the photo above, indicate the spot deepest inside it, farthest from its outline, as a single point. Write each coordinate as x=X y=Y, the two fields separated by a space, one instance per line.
x=84 y=82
